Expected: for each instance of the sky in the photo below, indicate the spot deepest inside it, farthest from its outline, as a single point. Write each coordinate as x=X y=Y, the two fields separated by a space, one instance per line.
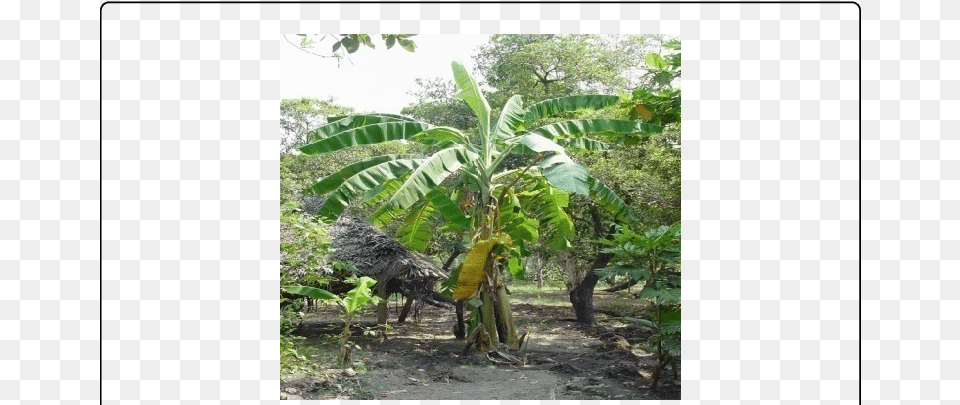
x=374 y=80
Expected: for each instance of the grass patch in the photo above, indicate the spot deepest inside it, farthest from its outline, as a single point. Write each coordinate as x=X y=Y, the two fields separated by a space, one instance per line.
x=301 y=355
x=526 y=292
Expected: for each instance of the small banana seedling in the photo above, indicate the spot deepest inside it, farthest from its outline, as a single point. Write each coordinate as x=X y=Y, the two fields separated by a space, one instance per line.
x=352 y=305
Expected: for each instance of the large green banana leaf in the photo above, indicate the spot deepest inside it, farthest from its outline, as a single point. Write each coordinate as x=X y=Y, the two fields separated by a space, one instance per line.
x=364 y=181
x=609 y=200
x=438 y=135
x=417 y=229
x=555 y=106
x=470 y=92
x=430 y=174
x=550 y=204
x=359 y=120
x=312 y=292
x=380 y=193
x=448 y=208
x=339 y=124
x=511 y=118
x=331 y=182
x=366 y=135
x=565 y=174
x=538 y=143
x=576 y=128
x=515 y=221
x=583 y=144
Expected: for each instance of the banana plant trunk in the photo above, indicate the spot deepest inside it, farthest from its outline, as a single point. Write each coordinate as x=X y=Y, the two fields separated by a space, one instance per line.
x=509 y=335
x=488 y=319
x=497 y=319
x=495 y=308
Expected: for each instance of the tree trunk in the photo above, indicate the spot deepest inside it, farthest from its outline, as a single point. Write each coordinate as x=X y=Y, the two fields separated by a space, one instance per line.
x=382 y=311
x=569 y=263
x=460 y=330
x=406 y=309
x=582 y=296
x=539 y=272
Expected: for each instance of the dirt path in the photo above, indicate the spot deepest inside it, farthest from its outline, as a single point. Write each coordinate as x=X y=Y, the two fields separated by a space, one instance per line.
x=422 y=360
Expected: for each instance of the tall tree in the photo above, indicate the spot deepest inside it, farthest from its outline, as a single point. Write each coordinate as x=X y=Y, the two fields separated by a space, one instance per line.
x=645 y=170
x=544 y=66
x=501 y=208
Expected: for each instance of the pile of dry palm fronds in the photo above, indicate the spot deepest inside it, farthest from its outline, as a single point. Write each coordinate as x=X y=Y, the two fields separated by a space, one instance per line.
x=379 y=256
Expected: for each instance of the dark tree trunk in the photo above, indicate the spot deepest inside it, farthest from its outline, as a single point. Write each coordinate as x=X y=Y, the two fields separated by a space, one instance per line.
x=460 y=330
x=582 y=295
x=456 y=252
x=406 y=310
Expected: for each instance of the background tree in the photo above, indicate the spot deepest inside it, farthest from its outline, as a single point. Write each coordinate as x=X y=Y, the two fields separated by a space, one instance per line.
x=539 y=67
x=299 y=116
x=645 y=171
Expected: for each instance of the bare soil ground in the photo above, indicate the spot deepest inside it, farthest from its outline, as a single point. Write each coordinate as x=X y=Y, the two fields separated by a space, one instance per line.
x=422 y=360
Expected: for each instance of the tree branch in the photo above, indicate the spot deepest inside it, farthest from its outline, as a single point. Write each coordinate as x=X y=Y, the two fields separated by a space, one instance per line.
x=304 y=49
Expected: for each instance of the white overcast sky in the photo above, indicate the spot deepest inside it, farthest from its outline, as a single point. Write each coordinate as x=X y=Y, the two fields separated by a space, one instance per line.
x=377 y=80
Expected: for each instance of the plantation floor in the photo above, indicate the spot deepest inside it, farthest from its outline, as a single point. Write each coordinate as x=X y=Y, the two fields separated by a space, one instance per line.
x=422 y=360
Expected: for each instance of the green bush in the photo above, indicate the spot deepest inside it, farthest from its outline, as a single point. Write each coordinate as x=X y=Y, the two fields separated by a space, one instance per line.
x=654 y=258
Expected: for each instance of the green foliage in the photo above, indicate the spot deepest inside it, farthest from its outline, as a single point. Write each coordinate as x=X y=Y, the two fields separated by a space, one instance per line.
x=658 y=100
x=360 y=295
x=363 y=182
x=350 y=43
x=299 y=116
x=448 y=209
x=437 y=104
x=430 y=174
x=497 y=213
x=338 y=124
x=556 y=106
x=576 y=128
x=475 y=164
x=303 y=250
x=645 y=175
x=660 y=107
x=539 y=67
x=662 y=70
x=299 y=172
x=653 y=257
x=365 y=135
x=333 y=181
x=417 y=230
x=550 y=204
x=469 y=92
x=312 y=292
x=352 y=304
x=565 y=174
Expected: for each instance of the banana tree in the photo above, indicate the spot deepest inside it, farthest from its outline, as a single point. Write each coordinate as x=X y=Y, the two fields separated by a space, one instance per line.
x=467 y=183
